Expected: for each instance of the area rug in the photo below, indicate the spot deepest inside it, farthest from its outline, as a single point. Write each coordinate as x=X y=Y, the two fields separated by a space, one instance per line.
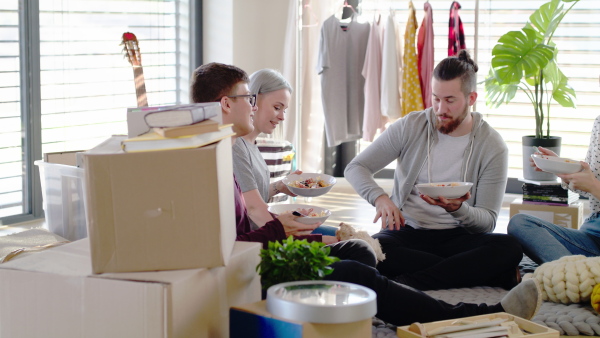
x=569 y=320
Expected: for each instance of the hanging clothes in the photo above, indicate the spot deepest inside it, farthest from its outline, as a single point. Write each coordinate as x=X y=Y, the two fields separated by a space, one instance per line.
x=390 y=65
x=371 y=71
x=425 y=54
x=456 y=34
x=340 y=62
x=412 y=99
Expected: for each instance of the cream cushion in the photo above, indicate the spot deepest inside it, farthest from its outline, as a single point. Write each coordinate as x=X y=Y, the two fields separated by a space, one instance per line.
x=569 y=279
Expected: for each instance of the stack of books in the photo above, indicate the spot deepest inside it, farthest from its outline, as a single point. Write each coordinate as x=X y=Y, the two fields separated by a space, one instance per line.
x=551 y=194
x=175 y=127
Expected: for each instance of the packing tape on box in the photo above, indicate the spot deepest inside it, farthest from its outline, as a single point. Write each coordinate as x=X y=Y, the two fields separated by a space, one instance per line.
x=19 y=251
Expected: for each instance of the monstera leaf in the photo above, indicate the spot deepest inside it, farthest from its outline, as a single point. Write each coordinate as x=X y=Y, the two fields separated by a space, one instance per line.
x=520 y=54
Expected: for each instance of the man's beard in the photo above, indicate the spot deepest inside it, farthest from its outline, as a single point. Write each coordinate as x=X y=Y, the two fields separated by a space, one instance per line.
x=448 y=127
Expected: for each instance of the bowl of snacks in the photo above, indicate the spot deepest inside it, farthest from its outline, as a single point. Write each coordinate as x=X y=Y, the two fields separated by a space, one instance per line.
x=307 y=214
x=309 y=184
x=445 y=189
x=556 y=165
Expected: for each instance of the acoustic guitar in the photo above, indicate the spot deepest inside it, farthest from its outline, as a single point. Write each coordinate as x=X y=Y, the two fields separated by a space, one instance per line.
x=133 y=54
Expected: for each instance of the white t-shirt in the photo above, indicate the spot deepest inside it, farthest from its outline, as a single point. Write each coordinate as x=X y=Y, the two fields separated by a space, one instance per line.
x=340 y=62
x=446 y=159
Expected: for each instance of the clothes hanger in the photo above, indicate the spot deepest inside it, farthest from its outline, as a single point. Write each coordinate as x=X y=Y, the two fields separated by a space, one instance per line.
x=348 y=5
x=347 y=17
x=311 y=14
x=344 y=12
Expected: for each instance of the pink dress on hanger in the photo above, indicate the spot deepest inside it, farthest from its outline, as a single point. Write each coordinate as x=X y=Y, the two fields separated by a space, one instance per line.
x=425 y=53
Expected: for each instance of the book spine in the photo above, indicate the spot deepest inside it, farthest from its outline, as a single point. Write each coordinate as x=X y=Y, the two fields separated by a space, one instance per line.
x=205 y=113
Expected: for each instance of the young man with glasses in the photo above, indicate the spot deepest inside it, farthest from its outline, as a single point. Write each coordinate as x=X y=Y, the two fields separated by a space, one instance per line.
x=395 y=302
x=216 y=82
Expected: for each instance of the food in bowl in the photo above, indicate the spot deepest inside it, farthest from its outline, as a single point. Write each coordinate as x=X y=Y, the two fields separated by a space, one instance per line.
x=309 y=184
x=308 y=214
x=445 y=189
x=556 y=165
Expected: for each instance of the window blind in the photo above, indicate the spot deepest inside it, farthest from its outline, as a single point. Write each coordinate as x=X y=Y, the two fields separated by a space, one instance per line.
x=11 y=163
x=86 y=83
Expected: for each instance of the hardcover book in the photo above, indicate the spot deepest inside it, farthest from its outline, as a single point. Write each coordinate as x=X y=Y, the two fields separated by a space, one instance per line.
x=182 y=115
x=191 y=129
x=152 y=141
x=170 y=116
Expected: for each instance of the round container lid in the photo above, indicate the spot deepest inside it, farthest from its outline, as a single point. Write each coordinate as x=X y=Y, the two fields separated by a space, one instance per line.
x=326 y=302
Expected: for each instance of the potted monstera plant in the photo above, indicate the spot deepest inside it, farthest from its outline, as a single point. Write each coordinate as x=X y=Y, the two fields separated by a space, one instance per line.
x=526 y=60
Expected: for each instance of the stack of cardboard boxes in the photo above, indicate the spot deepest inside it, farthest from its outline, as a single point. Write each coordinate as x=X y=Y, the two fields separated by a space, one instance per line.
x=161 y=258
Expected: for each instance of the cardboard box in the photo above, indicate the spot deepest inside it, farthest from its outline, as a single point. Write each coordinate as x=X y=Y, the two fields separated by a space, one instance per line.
x=530 y=328
x=254 y=321
x=63 y=195
x=161 y=210
x=567 y=216
x=53 y=293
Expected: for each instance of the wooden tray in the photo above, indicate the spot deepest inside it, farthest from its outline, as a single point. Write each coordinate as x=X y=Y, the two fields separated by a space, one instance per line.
x=529 y=328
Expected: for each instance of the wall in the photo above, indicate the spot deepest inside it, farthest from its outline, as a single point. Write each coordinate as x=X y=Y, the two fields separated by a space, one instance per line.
x=246 y=33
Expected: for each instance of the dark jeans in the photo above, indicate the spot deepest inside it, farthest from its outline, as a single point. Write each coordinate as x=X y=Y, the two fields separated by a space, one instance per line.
x=400 y=304
x=452 y=258
x=355 y=250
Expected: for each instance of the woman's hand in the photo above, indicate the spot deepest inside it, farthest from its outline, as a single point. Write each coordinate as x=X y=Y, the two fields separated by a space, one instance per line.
x=295 y=228
x=391 y=216
x=585 y=180
x=449 y=205
x=284 y=188
x=542 y=151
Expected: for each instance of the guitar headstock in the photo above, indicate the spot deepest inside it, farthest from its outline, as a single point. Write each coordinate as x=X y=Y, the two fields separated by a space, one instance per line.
x=131 y=48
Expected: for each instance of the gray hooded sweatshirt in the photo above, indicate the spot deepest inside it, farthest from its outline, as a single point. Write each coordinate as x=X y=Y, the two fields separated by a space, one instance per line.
x=485 y=164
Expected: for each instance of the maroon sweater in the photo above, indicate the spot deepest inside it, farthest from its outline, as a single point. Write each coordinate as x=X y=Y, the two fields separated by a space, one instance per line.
x=272 y=231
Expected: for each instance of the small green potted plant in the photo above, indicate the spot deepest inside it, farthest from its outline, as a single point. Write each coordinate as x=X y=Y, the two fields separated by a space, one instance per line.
x=526 y=60
x=294 y=260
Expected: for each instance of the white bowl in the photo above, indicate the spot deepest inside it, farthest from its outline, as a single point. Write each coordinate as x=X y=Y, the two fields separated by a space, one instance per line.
x=292 y=179
x=556 y=165
x=445 y=189
x=279 y=209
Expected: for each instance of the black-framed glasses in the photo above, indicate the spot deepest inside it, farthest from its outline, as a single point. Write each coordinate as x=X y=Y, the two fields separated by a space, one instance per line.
x=251 y=98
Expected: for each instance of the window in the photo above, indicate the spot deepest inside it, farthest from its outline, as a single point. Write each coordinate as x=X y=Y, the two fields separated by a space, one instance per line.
x=578 y=39
x=79 y=82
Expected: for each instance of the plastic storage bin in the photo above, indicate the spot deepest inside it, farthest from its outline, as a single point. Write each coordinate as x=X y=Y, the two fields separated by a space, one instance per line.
x=63 y=192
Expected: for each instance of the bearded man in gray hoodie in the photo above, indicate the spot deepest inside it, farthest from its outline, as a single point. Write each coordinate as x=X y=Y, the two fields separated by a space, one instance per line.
x=438 y=243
